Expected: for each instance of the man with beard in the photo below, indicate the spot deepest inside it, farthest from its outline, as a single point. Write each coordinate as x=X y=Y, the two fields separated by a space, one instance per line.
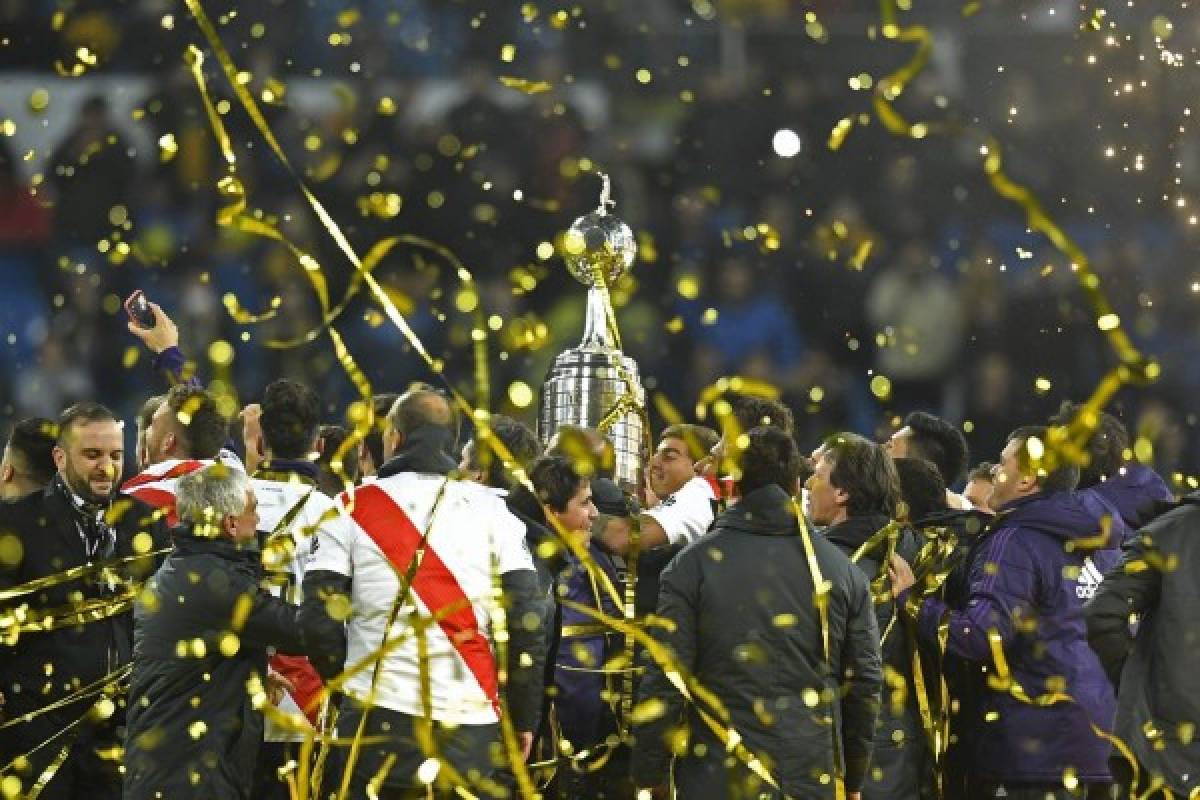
x=186 y=433
x=73 y=524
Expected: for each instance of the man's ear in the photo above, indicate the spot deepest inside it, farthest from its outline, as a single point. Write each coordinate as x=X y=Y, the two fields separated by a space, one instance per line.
x=60 y=457
x=170 y=442
x=841 y=496
x=229 y=525
x=7 y=473
x=319 y=445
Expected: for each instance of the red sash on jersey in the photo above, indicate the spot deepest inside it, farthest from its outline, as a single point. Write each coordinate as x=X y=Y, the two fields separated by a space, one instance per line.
x=156 y=486
x=394 y=533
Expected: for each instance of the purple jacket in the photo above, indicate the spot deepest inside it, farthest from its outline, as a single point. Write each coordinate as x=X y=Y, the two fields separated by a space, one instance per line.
x=1029 y=576
x=1136 y=492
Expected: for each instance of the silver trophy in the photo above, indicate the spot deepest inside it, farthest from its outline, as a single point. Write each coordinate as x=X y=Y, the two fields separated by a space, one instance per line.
x=596 y=385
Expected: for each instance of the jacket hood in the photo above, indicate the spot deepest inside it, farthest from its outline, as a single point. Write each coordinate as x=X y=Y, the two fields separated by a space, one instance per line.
x=1068 y=516
x=187 y=543
x=970 y=521
x=427 y=449
x=1137 y=492
x=767 y=511
x=288 y=466
x=853 y=532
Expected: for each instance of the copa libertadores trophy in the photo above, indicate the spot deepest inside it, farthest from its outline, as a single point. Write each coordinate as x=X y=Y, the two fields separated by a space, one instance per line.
x=595 y=384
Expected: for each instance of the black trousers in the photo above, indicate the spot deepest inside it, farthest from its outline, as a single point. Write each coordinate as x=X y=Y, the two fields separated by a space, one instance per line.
x=271 y=757
x=84 y=775
x=984 y=790
x=472 y=750
x=1127 y=788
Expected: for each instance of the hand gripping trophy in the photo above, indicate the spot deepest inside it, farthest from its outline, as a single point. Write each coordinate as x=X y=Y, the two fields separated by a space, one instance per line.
x=596 y=385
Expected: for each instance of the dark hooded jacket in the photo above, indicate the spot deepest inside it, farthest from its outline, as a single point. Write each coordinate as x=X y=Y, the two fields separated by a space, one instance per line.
x=1158 y=670
x=740 y=601
x=1028 y=577
x=901 y=765
x=43 y=534
x=1138 y=493
x=203 y=626
x=964 y=527
x=50 y=535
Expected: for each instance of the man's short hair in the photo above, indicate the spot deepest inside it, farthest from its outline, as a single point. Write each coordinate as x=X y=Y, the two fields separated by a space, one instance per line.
x=1106 y=447
x=146 y=412
x=381 y=405
x=206 y=429
x=1062 y=478
x=982 y=472
x=699 y=440
x=865 y=471
x=752 y=411
x=556 y=481
x=921 y=487
x=291 y=414
x=31 y=449
x=770 y=458
x=938 y=441
x=209 y=495
x=82 y=413
x=332 y=437
x=590 y=451
x=423 y=405
x=521 y=442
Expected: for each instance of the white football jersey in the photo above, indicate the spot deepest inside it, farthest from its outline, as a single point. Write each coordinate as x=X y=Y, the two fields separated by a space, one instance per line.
x=472 y=540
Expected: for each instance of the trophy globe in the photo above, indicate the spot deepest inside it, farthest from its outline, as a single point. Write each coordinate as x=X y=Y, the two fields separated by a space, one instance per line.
x=595 y=385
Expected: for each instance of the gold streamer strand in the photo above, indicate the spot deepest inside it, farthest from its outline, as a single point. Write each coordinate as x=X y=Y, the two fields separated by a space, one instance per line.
x=1066 y=442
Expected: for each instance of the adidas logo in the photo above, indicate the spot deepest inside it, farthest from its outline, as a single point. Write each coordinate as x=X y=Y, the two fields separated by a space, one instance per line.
x=1089 y=580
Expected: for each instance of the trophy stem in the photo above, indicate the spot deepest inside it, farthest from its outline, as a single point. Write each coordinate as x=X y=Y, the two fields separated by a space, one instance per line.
x=596 y=333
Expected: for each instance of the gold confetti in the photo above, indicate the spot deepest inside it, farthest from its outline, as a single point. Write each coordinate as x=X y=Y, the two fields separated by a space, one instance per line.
x=524 y=85
x=39 y=100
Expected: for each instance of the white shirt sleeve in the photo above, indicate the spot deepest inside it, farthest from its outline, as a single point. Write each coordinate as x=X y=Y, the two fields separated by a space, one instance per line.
x=686 y=514
x=331 y=547
x=508 y=537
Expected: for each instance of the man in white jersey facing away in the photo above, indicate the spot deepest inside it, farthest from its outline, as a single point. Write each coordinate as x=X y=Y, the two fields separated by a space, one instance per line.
x=419 y=556
x=291 y=509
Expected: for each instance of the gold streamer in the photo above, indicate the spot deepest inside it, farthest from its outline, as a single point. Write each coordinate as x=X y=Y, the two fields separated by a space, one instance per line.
x=1065 y=442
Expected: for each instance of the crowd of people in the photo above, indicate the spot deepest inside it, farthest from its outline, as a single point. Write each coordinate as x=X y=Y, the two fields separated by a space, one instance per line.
x=272 y=607
x=747 y=258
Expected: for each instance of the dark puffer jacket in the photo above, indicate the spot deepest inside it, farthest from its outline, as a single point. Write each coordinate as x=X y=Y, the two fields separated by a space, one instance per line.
x=745 y=625
x=901 y=765
x=1137 y=492
x=202 y=628
x=1159 y=698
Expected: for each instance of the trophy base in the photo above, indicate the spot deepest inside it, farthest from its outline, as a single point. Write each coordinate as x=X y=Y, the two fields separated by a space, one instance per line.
x=583 y=387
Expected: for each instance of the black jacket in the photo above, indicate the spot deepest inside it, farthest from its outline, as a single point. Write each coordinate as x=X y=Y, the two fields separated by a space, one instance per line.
x=900 y=765
x=203 y=625
x=43 y=534
x=1158 y=670
x=745 y=625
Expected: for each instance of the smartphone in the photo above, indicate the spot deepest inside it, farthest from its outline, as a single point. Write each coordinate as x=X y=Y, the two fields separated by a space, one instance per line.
x=138 y=309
